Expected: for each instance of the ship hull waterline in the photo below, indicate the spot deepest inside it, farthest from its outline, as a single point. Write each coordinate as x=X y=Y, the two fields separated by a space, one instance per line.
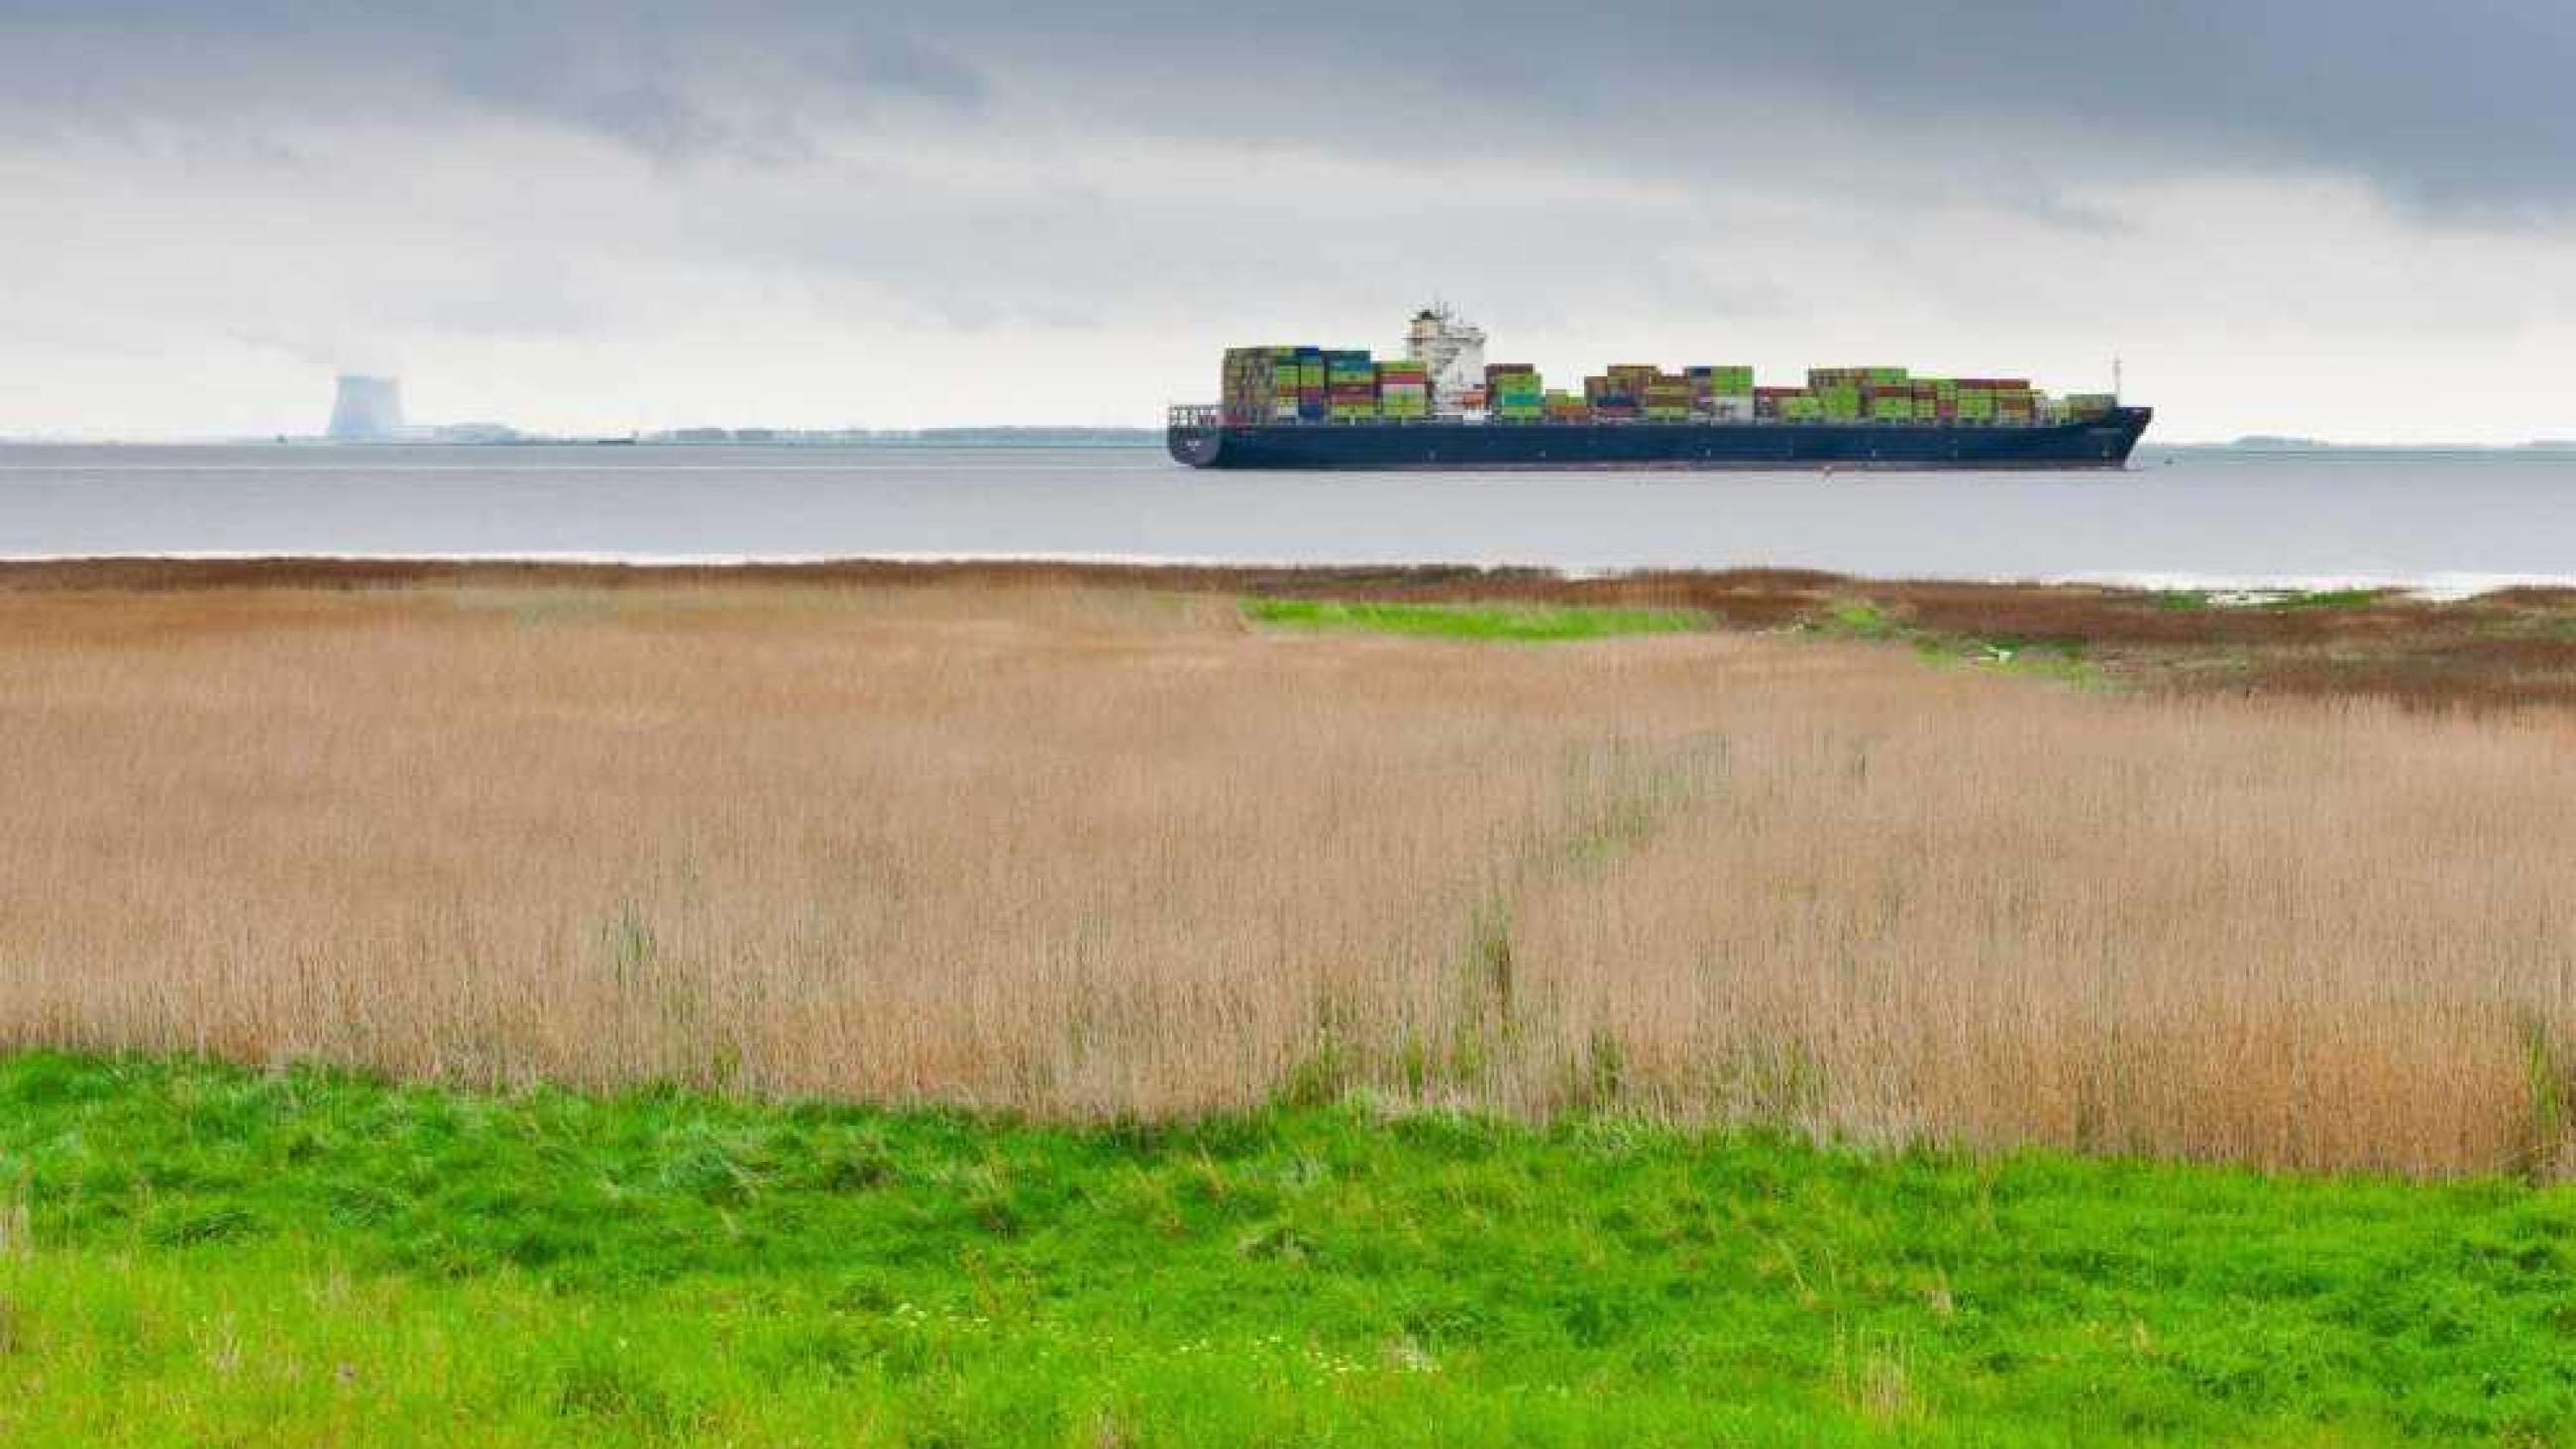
x=2096 y=443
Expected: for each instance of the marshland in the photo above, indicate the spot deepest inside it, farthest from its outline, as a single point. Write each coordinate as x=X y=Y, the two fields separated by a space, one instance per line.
x=1037 y=1004
x=1740 y=849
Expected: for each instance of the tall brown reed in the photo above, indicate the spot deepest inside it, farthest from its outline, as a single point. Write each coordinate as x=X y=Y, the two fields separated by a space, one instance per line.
x=1084 y=852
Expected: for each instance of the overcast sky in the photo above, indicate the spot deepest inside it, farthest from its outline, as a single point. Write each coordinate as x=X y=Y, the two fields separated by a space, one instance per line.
x=2355 y=219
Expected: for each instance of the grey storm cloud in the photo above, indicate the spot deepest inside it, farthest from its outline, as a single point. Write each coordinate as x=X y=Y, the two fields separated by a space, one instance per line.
x=671 y=81
x=595 y=214
x=2456 y=106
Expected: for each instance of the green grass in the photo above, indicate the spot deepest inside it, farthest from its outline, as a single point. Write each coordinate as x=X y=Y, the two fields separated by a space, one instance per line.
x=2060 y=660
x=1515 y=623
x=1859 y=619
x=198 y=1254
x=1533 y=623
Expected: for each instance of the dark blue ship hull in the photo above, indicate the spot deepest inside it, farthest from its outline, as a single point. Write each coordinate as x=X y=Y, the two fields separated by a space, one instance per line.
x=2102 y=442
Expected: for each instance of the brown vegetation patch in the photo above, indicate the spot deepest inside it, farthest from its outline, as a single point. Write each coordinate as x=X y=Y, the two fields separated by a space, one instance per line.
x=1078 y=850
x=2476 y=674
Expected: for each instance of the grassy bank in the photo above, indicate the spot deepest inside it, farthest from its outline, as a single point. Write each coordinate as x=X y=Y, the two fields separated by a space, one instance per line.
x=203 y=1254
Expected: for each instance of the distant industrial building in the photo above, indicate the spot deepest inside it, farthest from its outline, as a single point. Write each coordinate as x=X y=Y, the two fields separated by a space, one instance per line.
x=468 y=433
x=367 y=410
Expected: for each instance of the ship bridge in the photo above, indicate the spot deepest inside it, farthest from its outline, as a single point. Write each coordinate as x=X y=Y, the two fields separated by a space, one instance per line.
x=1454 y=351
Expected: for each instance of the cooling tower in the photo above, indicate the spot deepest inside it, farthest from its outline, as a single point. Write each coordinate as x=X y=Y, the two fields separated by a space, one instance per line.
x=367 y=408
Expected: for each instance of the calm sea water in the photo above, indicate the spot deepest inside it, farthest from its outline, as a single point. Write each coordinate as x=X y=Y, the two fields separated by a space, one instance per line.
x=2448 y=521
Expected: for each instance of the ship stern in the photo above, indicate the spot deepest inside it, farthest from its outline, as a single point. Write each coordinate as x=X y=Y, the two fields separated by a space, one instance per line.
x=1194 y=434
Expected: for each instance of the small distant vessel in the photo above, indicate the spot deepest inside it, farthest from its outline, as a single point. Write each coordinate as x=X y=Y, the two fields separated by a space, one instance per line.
x=1443 y=406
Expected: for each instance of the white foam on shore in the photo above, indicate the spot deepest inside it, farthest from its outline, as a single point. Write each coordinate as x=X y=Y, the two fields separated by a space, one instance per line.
x=2439 y=587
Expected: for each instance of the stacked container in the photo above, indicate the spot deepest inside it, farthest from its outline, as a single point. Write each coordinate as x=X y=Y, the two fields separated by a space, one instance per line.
x=1721 y=394
x=1626 y=397
x=1731 y=394
x=1819 y=378
x=1513 y=393
x=1615 y=396
x=1842 y=392
x=1288 y=384
x=1273 y=385
x=1994 y=401
x=1257 y=384
x=1350 y=387
x=1404 y=391
x=1667 y=397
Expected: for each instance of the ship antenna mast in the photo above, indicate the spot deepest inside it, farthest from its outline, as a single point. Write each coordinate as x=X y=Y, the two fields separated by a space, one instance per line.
x=2115 y=375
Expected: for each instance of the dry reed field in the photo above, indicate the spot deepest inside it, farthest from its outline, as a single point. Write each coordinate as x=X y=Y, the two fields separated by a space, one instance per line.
x=1083 y=851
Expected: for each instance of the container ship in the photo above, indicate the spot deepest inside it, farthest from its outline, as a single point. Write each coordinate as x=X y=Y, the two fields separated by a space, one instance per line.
x=1444 y=406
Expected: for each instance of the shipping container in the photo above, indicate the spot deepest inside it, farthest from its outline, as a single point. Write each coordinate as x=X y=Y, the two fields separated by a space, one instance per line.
x=1292 y=384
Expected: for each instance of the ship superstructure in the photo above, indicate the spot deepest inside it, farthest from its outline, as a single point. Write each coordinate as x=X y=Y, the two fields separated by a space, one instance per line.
x=1454 y=353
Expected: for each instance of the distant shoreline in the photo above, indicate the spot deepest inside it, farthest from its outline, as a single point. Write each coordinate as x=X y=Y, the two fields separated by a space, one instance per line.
x=184 y=569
